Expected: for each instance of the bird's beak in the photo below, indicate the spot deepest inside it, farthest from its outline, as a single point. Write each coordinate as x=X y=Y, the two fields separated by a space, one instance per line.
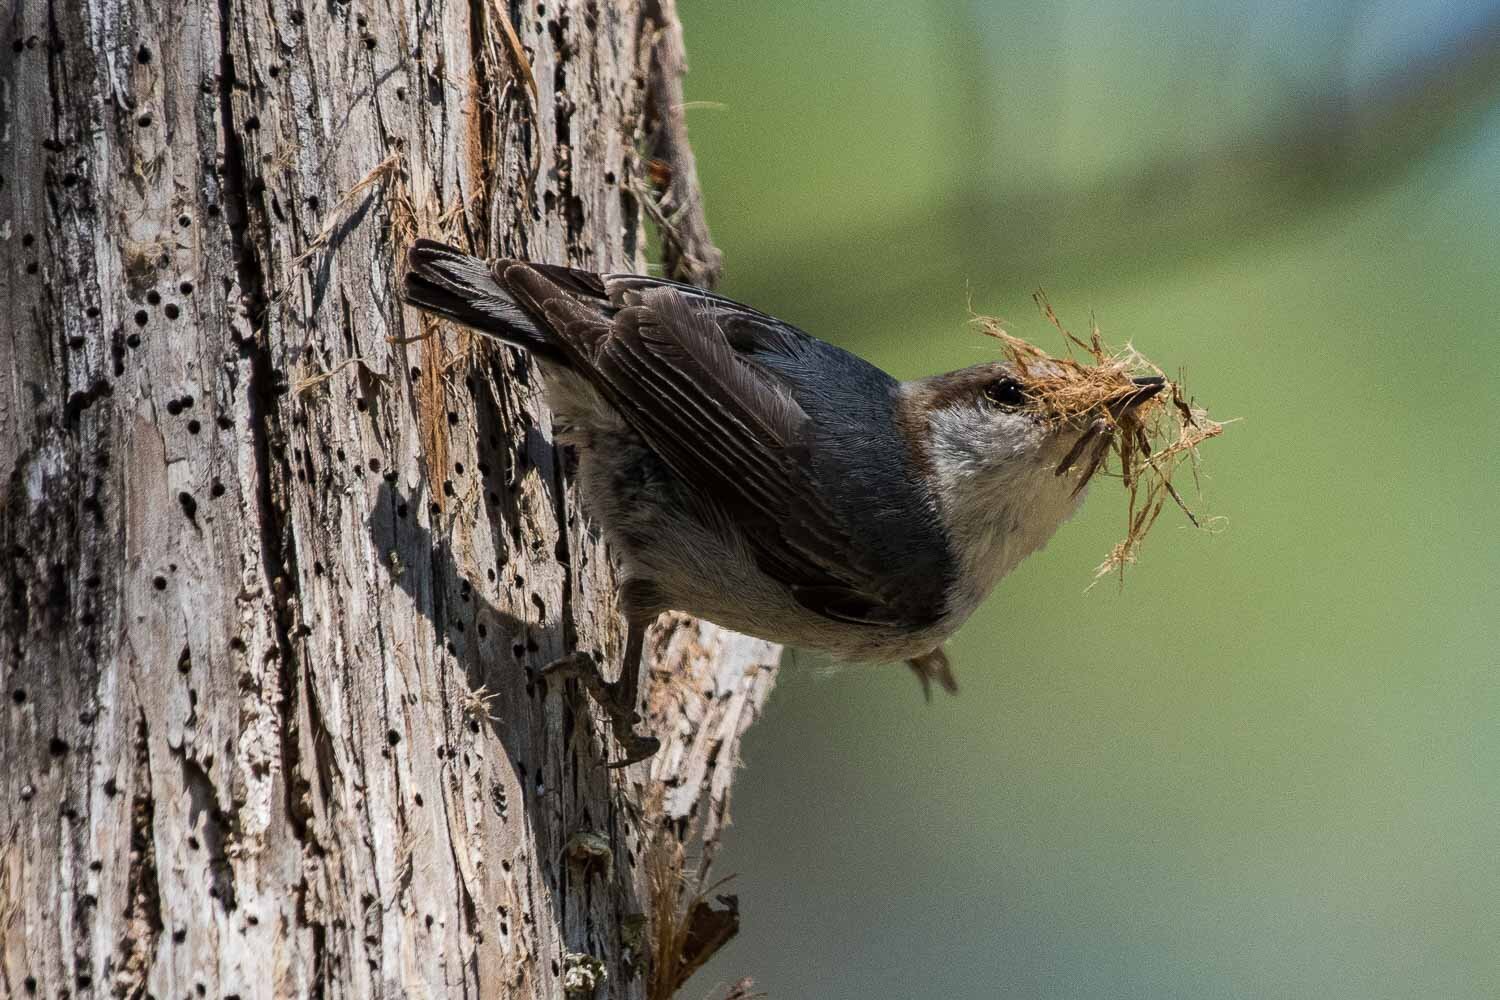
x=1146 y=387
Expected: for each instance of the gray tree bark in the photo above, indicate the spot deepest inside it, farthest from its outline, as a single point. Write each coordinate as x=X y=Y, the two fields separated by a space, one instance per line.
x=280 y=561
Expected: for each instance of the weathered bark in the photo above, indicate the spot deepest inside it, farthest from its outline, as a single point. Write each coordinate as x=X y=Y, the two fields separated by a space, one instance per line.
x=281 y=561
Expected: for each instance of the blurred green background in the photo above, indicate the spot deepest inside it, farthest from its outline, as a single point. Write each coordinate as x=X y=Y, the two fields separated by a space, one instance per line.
x=1270 y=765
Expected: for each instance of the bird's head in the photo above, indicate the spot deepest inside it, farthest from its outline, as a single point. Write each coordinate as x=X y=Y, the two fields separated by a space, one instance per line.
x=1009 y=448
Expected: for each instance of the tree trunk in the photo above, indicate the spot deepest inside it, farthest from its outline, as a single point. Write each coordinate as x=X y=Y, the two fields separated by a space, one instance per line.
x=281 y=560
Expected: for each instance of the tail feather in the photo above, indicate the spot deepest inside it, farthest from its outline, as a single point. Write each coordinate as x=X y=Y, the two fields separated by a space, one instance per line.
x=444 y=280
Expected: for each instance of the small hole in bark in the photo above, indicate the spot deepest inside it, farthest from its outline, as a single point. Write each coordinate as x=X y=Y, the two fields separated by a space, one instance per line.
x=224 y=423
x=186 y=288
x=184 y=221
x=174 y=407
x=33 y=267
x=194 y=427
x=216 y=490
x=76 y=343
x=57 y=746
x=374 y=464
x=172 y=310
x=133 y=341
x=416 y=373
x=159 y=582
x=153 y=298
x=143 y=56
x=401 y=510
x=18 y=696
x=144 y=121
x=111 y=788
x=252 y=123
x=140 y=317
x=189 y=505
x=392 y=737
x=185 y=661
x=274 y=70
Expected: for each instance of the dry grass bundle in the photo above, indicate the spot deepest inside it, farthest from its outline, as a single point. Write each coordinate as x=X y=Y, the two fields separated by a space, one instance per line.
x=1151 y=440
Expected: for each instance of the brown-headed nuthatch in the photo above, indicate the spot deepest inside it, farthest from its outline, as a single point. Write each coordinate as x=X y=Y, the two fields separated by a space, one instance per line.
x=750 y=474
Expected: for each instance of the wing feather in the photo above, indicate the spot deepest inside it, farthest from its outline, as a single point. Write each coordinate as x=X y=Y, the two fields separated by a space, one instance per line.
x=676 y=362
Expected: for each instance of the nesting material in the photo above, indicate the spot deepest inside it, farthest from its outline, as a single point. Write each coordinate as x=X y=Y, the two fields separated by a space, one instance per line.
x=1151 y=440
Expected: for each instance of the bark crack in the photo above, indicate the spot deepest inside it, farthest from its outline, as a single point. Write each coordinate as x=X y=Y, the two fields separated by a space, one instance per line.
x=143 y=922
x=266 y=386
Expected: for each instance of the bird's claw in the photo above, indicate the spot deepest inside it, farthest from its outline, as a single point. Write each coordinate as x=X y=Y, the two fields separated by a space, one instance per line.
x=931 y=667
x=637 y=747
x=614 y=698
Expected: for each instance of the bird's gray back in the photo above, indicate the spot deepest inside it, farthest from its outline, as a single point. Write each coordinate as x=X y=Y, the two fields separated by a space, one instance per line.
x=860 y=458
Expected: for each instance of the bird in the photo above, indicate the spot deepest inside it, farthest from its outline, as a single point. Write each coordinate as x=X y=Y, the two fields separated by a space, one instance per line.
x=748 y=473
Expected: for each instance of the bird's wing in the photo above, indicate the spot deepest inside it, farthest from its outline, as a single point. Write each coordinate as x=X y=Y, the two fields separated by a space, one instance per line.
x=660 y=354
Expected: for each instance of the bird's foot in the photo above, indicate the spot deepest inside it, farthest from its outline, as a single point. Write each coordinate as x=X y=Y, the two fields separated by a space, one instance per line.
x=616 y=698
x=931 y=667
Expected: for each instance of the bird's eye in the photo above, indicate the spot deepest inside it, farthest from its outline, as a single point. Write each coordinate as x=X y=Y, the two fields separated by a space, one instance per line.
x=1006 y=392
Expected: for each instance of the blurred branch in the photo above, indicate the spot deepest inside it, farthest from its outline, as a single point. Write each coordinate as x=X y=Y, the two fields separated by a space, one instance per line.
x=1328 y=148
